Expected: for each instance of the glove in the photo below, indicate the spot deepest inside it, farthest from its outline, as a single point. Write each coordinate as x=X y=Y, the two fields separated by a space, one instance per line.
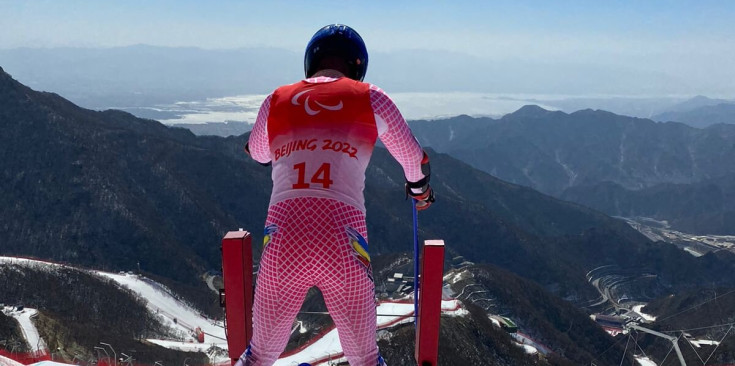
x=425 y=197
x=423 y=200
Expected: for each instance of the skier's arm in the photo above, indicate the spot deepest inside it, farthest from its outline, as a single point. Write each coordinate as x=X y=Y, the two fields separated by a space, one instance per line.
x=401 y=143
x=258 y=146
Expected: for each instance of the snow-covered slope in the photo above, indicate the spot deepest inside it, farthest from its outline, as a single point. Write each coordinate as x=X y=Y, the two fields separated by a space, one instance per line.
x=185 y=319
x=4 y=361
x=170 y=310
x=30 y=333
x=160 y=301
x=327 y=348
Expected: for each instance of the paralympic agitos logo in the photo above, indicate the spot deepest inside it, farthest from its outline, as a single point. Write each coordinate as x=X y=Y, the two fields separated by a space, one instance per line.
x=307 y=106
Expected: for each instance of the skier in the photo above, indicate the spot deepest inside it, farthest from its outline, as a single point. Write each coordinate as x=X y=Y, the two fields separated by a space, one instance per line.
x=318 y=134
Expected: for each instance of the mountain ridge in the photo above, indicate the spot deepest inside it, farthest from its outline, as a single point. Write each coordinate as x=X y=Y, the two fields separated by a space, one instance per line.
x=122 y=191
x=702 y=117
x=559 y=153
x=110 y=189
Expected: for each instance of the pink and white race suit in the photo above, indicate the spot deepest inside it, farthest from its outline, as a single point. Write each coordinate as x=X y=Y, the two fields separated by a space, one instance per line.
x=319 y=135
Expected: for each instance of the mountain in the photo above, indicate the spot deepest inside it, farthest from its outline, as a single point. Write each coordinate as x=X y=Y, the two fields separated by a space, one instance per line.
x=553 y=151
x=145 y=75
x=548 y=320
x=10 y=332
x=643 y=107
x=224 y=129
x=706 y=207
x=702 y=117
x=699 y=314
x=71 y=321
x=620 y=165
x=698 y=101
x=111 y=190
x=77 y=307
x=77 y=310
x=107 y=189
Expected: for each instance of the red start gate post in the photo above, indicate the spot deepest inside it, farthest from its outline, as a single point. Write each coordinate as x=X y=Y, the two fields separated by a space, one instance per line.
x=237 y=273
x=430 y=298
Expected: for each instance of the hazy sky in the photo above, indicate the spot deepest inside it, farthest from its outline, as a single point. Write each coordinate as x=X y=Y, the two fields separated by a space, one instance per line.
x=693 y=41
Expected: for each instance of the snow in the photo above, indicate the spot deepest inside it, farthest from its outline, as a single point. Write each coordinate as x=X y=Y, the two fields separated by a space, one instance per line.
x=49 y=363
x=389 y=314
x=703 y=342
x=324 y=346
x=160 y=302
x=613 y=331
x=173 y=312
x=30 y=333
x=216 y=356
x=645 y=361
x=454 y=277
x=646 y=317
x=524 y=339
x=693 y=252
x=4 y=361
x=29 y=329
x=529 y=349
x=182 y=346
x=495 y=321
x=29 y=262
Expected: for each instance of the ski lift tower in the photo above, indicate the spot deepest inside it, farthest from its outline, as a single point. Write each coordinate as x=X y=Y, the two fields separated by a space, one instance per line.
x=673 y=340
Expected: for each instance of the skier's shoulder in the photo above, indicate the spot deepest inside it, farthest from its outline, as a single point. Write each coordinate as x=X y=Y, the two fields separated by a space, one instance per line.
x=376 y=89
x=284 y=91
x=287 y=87
x=378 y=97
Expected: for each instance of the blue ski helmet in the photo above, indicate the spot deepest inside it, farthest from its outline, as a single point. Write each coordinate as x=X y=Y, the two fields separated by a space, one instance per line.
x=337 y=42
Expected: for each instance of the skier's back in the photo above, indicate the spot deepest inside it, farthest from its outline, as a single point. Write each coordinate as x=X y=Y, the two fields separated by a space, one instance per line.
x=319 y=134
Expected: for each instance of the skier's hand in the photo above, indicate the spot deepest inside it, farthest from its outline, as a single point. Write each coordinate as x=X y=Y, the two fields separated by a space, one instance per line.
x=423 y=200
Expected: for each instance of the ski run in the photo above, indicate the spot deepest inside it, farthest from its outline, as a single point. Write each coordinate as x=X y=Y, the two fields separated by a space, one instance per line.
x=185 y=320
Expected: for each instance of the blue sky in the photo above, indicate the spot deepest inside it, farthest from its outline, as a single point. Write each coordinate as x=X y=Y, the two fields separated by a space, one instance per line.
x=388 y=24
x=689 y=40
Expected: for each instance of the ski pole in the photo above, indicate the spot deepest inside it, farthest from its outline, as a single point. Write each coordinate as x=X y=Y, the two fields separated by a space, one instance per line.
x=415 y=261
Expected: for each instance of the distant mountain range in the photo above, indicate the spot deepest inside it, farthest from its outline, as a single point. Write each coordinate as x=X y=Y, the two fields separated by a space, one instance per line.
x=107 y=189
x=574 y=156
x=145 y=75
x=706 y=207
x=703 y=116
x=693 y=103
x=224 y=129
x=117 y=191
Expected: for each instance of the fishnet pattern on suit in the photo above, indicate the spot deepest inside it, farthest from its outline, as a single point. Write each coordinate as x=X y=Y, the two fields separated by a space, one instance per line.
x=311 y=248
x=398 y=138
x=258 y=144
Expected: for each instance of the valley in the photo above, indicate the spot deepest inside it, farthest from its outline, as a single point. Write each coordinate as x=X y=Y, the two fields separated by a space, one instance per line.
x=696 y=245
x=524 y=259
